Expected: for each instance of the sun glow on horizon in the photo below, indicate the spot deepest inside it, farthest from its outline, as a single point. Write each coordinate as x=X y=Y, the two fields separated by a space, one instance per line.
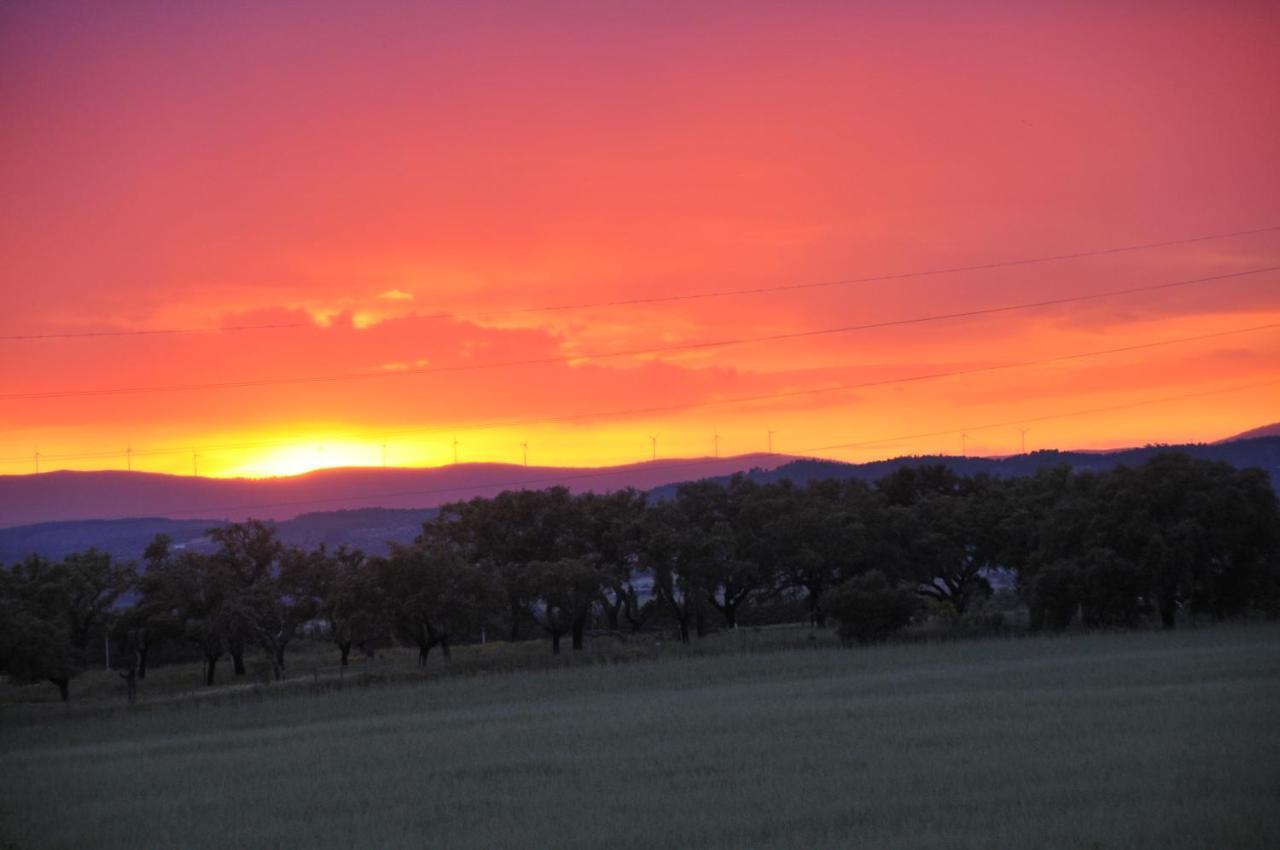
x=408 y=246
x=299 y=459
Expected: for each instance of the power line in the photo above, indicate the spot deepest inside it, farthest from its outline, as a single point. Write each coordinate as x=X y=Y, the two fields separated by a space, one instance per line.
x=156 y=332
x=989 y=266
x=666 y=408
x=1034 y=419
x=559 y=479
x=692 y=346
x=679 y=406
x=696 y=296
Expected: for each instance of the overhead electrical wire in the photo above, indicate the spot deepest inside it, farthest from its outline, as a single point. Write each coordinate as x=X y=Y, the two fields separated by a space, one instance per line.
x=155 y=332
x=880 y=278
x=637 y=352
x=666 y=408
x=696 y=296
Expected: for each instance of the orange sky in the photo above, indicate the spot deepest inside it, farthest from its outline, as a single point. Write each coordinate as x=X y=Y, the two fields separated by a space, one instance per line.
x=358 y=170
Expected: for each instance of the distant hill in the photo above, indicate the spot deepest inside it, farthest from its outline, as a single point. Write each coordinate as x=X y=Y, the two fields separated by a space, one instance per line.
x=57 y=496
x=1272 y=430
x=370 y=528
x=1261 y=452
x=123 y=538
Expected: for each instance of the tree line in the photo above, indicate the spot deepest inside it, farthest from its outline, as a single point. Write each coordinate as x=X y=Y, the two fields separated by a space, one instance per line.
x=1173 y=538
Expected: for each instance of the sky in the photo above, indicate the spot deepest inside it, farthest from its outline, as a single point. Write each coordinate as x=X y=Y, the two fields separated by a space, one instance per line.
x=386 y=196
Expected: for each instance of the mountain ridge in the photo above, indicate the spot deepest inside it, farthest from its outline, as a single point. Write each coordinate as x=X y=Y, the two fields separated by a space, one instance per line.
x=1272 y=430
x=1259 y=452
x=370 y=528
x=114 y=494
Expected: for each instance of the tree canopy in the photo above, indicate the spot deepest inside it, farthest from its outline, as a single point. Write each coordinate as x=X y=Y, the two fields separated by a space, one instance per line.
x=1174 y=539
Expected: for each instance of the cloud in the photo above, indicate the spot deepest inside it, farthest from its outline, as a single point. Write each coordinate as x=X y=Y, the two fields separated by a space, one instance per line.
x=754 y=160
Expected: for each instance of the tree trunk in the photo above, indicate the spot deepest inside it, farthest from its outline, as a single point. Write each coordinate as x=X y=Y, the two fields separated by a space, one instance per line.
x=344 y=647
x=64 y=687
x=279 y=665
x=630 y=612
x=699 y=621
x=210 y=666
x=681 y=613
x=142 y=660
x=515 y=620
x=816 y=614
x=444 y=647
x=80 y=634
x=555 y=643
x=613 y=610
x=1168 y=612
x=579 y=627
x=237 y=660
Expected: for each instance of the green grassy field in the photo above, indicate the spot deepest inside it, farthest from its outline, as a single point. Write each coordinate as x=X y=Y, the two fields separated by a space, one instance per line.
x=1124 y=740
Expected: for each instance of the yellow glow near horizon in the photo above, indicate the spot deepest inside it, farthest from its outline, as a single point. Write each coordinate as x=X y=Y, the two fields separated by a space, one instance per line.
x=870 y=428
x=294 y=460
x=714 y=246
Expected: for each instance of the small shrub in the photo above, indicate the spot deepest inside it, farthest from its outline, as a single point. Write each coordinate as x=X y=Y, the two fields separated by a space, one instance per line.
x=868 y=608
x=1055 y=596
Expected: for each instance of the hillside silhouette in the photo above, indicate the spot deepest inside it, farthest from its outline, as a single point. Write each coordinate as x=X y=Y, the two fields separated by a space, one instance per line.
x=399 y=517
x=62 y=496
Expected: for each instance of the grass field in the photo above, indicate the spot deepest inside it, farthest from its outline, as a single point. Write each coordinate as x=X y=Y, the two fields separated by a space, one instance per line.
x=313 y=665
x=1123 y=740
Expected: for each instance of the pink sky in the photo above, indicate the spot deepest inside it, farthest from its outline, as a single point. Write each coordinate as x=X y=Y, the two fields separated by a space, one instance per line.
x=357 y=168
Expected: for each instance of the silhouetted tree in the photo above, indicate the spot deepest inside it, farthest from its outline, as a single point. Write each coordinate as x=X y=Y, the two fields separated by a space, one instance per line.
x=149 y=621
x=36 y=641
x=191 y=589
x=90 y=583
x=563 y=592
x=1174 y=537
x=505 y=535
x=246 y=562
x=283 y=602
x=1055 y=595
x=668 y=542
x=950 y=535
x=431 y=593
x=869 y=607
x=346 y=592
x=817 y=535
x=720 y=527
x=610 y=539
